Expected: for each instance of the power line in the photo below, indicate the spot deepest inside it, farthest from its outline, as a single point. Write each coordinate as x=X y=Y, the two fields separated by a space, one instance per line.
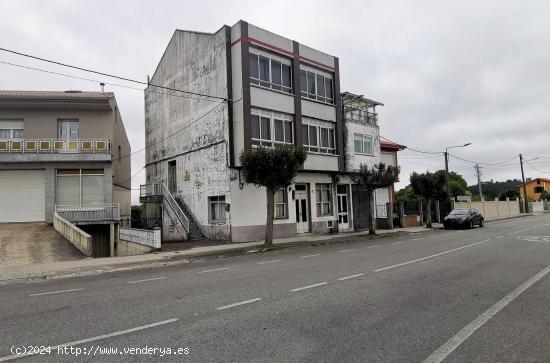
x=478 y=162
x=98 y=81
x=110 y=75
x=537 y=169
x=415 y=150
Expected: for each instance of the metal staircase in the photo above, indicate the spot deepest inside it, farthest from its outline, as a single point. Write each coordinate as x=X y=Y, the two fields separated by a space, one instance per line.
x=195 y=233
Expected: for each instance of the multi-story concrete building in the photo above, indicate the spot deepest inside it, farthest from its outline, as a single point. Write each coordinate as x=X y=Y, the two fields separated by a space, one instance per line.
x=62 y=150
x=267 y=90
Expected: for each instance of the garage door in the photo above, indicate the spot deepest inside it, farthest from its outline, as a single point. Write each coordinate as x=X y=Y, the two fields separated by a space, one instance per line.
x=22 y=196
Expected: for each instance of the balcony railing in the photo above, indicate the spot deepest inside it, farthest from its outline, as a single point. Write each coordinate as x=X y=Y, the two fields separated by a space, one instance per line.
x=362 y=117
x=55 y=146
x=89 y=214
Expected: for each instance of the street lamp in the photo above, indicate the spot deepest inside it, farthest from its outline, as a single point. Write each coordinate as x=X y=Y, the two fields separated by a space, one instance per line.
x=447 y=166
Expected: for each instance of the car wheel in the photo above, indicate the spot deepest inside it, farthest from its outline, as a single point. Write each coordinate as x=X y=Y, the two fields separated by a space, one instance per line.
x=481 y=222
x=471 y=224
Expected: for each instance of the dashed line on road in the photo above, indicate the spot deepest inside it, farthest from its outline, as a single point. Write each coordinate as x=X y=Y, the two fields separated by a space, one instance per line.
x=92 y=339
x=349 y=277
x=264 y=262
x=307 y=256
x=521 y=230
x=396 y=243
x=238 y=304
x=428 y=257
x=459 y=338
x=344 y=251
x=56 y=292
x=213 y=270
x=497 y=237
x=308 y=287
x=373 y=246
x=145 y=280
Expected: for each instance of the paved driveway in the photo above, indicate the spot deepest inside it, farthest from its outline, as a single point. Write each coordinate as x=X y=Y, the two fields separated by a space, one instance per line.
x=27 y=243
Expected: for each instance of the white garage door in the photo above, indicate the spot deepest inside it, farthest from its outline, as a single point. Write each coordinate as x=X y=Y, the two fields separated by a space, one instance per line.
x=22 y=196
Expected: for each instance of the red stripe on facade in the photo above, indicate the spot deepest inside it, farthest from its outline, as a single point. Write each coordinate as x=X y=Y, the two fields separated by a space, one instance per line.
x=281 y=50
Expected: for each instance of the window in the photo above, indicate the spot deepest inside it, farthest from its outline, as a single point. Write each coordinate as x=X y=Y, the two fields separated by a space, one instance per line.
x=217 y=209
x=270 y=73
x=317 y=138
x=271 y=128
x=79 y=187
x=11 y=129
x=281 y=204
x=539 y=189
x=316 y=86
x=362 y=144
x=68 y=129
x=324 y=199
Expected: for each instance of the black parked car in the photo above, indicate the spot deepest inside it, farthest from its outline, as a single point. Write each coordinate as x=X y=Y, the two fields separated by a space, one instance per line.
x=463 y=217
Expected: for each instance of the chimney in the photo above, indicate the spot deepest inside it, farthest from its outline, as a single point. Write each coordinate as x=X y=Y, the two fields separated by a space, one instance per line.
x=102 y=85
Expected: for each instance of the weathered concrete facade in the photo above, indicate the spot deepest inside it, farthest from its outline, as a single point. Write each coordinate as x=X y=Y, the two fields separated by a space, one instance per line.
x=271 y=90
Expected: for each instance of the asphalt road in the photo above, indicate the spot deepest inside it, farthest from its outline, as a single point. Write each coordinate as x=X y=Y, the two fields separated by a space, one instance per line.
x=480 y=295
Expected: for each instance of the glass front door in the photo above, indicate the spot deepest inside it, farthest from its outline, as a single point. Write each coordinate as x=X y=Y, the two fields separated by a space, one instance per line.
x=302 y=215
x=343 y=209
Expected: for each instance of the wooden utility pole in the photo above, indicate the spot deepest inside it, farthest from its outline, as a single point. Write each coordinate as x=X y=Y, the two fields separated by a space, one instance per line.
x=478 y=174
x=525 y=201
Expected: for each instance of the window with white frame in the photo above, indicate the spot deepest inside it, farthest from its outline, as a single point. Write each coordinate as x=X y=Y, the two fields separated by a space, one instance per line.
x=323 y=193
x=281 y=204
x=271 y=128
x=318 y=137
x=363 y=144
x=79 y=187
x=11 y=129
x=316 y=86
x=217 y=209
x=271 y=73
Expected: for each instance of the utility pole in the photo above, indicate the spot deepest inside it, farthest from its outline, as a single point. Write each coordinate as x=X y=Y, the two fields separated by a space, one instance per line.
x=446 y=153
x=526 y=203
x=479 y=174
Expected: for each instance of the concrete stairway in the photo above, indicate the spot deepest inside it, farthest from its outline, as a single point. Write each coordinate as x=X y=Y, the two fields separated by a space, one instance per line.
x=195 y=233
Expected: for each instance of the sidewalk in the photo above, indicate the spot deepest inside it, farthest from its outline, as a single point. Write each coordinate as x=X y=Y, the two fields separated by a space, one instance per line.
x=99 y=265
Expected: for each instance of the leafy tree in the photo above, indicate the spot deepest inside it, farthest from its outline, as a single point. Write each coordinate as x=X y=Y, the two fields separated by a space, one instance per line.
x=372 y=178
x=457 y=184
x=272 y=168
x=407 y=194
x=428 y=186
x=544 y=195
x=493 y=189
x=138 y=216
x=510 y=193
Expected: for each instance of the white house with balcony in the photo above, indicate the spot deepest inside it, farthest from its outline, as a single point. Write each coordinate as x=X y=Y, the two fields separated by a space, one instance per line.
x=65 y=154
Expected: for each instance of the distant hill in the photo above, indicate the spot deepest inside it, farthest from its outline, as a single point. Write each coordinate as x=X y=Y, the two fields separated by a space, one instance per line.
x=493 y=189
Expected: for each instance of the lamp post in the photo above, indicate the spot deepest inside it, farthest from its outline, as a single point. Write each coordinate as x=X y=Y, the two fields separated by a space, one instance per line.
x=447 y=167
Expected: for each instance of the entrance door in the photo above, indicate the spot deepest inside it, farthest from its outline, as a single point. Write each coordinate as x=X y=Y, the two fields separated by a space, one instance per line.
x=172 y=182
x=343 y=209
x=302 y=215
x=360 y=208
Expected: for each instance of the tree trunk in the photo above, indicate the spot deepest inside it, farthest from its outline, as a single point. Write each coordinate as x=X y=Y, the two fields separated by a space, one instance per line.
x=429 y=214
x=372 y=222
x=270 y=197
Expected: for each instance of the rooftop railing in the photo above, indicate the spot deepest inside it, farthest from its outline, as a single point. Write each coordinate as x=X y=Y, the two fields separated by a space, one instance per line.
x=55 y=146
x=362 y=116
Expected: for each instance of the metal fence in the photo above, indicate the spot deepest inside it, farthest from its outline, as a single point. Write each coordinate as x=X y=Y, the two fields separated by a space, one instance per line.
x=98 y=213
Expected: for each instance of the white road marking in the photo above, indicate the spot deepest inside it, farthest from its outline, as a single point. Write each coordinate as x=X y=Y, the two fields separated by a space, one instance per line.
x=453 y=343
x=349 y=277
x=145 y=280
x=92 y=339
x=396 y=243
x=238 y=304
x=373 y=246
x=306 y=256
x=308 y=287
x=521 y=230
x=216 y=269
x=497 y=237
x=264 y=262
x=342 y=251
x=55 y=292
x=416 y=239
x=428 y=257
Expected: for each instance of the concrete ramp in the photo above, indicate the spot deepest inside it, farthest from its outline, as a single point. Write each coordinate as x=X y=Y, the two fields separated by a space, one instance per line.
x=28 y=243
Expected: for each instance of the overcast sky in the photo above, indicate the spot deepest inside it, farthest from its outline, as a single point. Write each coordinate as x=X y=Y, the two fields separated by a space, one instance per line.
x=448 y=72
